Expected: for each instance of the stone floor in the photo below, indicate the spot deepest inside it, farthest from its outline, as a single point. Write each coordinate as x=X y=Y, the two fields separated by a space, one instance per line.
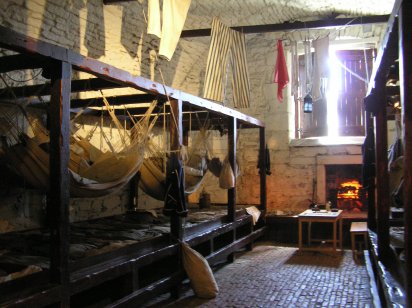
x=274 y=276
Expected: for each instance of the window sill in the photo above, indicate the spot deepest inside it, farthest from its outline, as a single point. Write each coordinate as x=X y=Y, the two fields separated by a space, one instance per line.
x=327 y=141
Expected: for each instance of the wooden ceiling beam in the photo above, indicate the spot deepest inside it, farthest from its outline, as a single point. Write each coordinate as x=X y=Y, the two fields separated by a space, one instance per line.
x=20 y=62
x=81 y=85
x=113 y=100
x=297 y=25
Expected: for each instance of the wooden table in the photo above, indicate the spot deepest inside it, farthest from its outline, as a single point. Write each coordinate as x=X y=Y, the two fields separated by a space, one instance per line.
x=324 y=216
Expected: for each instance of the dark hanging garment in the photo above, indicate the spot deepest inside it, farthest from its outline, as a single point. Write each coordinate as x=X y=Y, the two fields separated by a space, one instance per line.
x=175 y=195
x=267 y=165
x=264 y=165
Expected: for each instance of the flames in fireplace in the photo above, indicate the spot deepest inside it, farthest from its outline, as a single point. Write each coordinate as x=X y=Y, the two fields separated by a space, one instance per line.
x=344 y=188
x=349 y=190
x=348 y=196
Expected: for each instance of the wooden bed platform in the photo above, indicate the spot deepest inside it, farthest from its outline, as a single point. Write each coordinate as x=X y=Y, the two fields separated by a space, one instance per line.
x=390 y=252
x=127 y=260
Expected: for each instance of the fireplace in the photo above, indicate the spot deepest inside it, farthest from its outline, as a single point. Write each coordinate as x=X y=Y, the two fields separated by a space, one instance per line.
x=339 y=181
x=343 y=186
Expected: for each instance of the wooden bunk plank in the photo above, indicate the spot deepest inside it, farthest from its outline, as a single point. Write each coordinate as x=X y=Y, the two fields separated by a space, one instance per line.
x=208 y=234
x=122 y=254
x=138 y=297
x=95 y=275
x=235 y=246
x=14 y=288
x=19 y=42
x=389 y=286
x=405 y=67
x=46 y=297
x=59 y=196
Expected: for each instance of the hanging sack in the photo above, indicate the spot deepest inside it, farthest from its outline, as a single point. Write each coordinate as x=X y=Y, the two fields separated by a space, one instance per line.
x=198 y=270
x=226 y=178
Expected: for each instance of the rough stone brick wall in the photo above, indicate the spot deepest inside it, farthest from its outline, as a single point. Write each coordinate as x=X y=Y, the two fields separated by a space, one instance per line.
x=24 y=208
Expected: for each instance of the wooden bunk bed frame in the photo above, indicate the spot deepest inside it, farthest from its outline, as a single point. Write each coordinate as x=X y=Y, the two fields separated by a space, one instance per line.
x=393 y=277
x=65 y=282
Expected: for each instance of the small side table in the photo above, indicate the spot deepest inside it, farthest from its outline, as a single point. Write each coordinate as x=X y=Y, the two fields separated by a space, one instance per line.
x=358 y=229
x=322 y=216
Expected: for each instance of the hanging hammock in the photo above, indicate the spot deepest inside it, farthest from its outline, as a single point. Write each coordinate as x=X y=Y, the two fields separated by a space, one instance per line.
x=153 y=171
x=92 y=172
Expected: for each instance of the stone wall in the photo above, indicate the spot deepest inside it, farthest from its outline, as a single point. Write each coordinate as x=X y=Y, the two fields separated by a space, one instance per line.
x=23 y=208
x=116 y=34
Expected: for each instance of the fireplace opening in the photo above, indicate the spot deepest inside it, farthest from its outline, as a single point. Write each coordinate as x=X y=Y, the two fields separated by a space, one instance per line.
x=343 y=187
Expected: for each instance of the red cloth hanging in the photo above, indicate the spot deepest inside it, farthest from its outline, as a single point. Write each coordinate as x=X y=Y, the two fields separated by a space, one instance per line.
x=281 y=71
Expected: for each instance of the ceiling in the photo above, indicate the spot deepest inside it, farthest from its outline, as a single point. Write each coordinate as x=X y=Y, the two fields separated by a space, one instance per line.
x=257 y=12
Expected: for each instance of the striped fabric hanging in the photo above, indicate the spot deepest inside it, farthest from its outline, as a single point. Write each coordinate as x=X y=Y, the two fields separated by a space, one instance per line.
x=227 y=47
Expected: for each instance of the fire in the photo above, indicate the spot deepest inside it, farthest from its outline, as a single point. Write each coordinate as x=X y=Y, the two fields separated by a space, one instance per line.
x=349 y=190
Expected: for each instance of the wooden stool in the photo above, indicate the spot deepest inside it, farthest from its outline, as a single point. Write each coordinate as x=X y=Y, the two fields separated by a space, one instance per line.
x=358 y=228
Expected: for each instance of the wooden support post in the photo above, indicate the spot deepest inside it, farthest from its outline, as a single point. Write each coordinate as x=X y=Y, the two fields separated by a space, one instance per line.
x=371 y=181
x=59 y=194
x=382 y=179
x=176 y=139
x=262 y=172
x=231 y=193
x=405 y=69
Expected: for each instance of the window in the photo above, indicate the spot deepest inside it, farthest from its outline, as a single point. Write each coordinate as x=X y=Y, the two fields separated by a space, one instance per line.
x=340 y=112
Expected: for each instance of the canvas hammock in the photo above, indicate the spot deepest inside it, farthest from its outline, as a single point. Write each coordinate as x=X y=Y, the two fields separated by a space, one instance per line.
x=194 y=158
x=92 y=172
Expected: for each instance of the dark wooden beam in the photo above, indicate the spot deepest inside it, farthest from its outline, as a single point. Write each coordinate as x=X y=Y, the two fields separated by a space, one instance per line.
x=82 y=85
x=20 y=62
x=113 y=100
x=176 y=142
x=297 y=25
x=382 y=179
x=262 y=170
x=140 y=297
x=405 y=66
x=231 y=193
x=59 y=186
x=368 y=145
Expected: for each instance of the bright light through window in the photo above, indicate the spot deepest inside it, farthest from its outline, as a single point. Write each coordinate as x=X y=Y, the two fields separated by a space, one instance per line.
x=333 y=93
